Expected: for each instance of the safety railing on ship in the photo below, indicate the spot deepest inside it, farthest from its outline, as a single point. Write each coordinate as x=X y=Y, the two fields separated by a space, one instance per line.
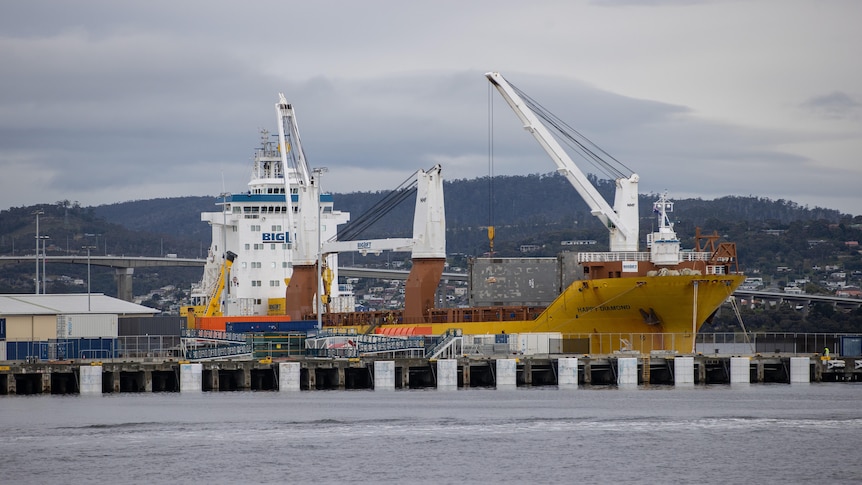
x=604 y=257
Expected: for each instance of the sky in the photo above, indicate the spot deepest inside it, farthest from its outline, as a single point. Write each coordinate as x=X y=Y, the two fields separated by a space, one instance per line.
x=105 y=101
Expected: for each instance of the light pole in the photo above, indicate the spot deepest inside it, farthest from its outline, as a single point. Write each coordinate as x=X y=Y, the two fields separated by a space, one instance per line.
x=37 y=214
x=44 y=257
x=318 y=172
x=88 y=248
x=96 y=245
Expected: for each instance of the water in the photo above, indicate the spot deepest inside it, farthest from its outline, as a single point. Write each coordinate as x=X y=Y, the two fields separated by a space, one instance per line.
x=707 y=434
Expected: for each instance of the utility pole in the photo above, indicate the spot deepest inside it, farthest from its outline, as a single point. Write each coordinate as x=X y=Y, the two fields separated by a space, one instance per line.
x=318 y=172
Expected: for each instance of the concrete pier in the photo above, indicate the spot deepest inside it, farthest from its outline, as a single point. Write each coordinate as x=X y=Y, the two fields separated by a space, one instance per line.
x=309 y=373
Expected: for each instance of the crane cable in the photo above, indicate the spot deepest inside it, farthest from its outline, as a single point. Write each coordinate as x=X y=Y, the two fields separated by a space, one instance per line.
x=385 y=205
x=491 y=169
x=589 y=151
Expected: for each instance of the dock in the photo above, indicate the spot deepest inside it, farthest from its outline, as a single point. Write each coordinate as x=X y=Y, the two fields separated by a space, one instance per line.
x=501 y=371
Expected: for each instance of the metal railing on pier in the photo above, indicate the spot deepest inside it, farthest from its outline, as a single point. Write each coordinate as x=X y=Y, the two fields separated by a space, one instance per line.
x=349 y=344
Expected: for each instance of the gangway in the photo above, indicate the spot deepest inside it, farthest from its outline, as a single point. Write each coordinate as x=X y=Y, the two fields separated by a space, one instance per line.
x=198 y=344
x=450 y=346
x=334 y=344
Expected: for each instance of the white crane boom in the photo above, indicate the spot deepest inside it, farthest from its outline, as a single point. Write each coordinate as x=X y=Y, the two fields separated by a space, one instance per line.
x=429 y=224
x=366 y=246
x=304 y=233
x=287 y=121
x=621 y=220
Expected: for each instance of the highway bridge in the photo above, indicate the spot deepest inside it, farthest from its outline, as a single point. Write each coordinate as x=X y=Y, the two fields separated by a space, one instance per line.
x=124 y=267
x=797 y=298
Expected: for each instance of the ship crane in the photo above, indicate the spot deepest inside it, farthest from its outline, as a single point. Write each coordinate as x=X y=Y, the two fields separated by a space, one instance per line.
x=621 y=220
x=427 y=246
x=215 y=295
x=304 y=225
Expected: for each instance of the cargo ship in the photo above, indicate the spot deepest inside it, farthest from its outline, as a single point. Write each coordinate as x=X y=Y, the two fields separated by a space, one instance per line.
x=615 y=301
x=620 y=300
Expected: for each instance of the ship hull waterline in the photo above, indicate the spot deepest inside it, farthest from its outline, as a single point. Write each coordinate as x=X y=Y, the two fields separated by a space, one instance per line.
x=644 y=313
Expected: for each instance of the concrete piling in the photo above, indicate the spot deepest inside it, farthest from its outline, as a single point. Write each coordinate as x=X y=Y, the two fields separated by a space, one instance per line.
x=507 y=373
x=288 y=376
x=627 y=371
x=740 y=370
x=384 y=375
x=447 y=374
x=91 y=380
x=800 y=370
x=191 y=378
x=683 y=371
x=567 y=373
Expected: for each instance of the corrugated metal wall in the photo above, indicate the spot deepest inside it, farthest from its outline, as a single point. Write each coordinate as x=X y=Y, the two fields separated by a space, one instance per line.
x=87 y=325
x=151 y=325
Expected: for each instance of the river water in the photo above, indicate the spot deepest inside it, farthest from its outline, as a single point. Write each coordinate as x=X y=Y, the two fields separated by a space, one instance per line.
x=758 y=433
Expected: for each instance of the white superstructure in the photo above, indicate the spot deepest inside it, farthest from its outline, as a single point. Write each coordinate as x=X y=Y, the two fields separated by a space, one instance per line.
x=256 y=226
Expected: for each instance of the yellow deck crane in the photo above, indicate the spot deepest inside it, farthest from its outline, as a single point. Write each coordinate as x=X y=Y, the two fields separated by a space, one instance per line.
x=214 y=305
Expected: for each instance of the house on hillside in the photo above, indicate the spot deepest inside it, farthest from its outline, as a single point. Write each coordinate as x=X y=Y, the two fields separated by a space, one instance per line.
x=849 y=292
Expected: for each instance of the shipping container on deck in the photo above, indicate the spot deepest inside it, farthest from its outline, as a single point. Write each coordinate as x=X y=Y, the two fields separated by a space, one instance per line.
x=538 y=343
x=219 y=323
x=271 y=326
x=851 y=346
x=129 y=326
x=514 y=281
x=87 y=325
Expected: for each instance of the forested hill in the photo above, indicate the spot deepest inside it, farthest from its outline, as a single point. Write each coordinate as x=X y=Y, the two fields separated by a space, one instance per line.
x=550 y=199
x=530 y=199
x=531 y=209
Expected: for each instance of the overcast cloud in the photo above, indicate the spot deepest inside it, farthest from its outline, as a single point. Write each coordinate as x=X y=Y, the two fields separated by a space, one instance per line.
x=106 y=101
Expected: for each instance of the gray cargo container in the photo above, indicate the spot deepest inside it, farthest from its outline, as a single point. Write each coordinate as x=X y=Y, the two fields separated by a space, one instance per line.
x=514 y=281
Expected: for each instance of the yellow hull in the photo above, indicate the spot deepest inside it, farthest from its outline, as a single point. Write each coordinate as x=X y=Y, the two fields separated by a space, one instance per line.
x=642 y=313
